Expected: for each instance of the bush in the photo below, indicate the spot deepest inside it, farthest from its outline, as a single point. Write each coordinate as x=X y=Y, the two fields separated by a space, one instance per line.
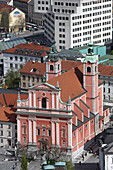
x=70 y=166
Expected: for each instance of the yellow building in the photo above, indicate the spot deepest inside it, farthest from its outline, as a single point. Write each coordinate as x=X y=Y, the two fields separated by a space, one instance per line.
x=11 y=18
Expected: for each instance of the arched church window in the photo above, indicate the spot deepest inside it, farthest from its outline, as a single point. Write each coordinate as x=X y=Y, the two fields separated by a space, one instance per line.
x=51 y=67
x=43 y=102
x=88 y=69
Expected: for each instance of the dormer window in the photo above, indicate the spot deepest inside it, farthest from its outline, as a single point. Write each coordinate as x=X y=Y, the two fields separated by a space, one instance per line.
x=88 y=69
x=51 y=67
x=33 y=70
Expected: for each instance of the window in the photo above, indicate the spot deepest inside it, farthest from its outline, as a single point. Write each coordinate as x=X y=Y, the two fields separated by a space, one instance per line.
x=95 y=68
x=28 y=78
x=21 y=59
x=58 y=66
x=24 y=130
x=108 y=97
x=64 y=143
x=88 y=69
x=9 y=127
x=24 y=140
x=11 y=65
x=24 y=77
x=16 y=58
x=85 y=126
x=49 y=132
x=1 y=133
x=74 y=134
x=108 y=90
x=11 y=58
x=1 y=125
x=104 y=89
x=92 y=122
x=24 y=84
x=33 y=78
x=1 y=140
x=37 y=79
x=9 y=134
x=108 y=83
x=80 y=130
x=44 y=132
x=63 y=135
x=16 y=66
x=51 y=67
x=104 y=97
x=112 y=160
x=38 y=132
x=43 y=102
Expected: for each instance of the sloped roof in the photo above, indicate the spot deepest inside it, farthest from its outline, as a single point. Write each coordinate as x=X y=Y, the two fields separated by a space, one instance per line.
x=40 y=68
x=105 y=70
x=30 y=48
x=5 y=6
x=7 y=114
x=69 y=84
x=9 y=97
x=4 y=45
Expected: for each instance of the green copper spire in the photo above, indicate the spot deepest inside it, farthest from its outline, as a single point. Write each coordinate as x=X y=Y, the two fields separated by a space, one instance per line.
x=90 y=56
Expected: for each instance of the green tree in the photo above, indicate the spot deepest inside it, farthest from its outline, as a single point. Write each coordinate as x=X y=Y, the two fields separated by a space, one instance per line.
x=5 y=19
x=112 y=52
x=24 y=163
x=12 y=78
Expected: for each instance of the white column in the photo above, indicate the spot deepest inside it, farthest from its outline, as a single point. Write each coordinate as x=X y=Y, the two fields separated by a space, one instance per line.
x=69 y=133
x=30 y=132
x=34 y=99
x=29 y=99
x=53 y=132
x=52 y=100
x=56 y=101
x=39 y=100
x=34 y=131
x=77 y=138
x=18 y=129
x=47 y=101
x=57 y=133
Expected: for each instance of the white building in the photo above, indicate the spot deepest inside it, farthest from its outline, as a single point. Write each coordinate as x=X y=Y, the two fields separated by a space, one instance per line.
x=8 y=127
x=75 y=22
x=20 y=54
x=106 y=157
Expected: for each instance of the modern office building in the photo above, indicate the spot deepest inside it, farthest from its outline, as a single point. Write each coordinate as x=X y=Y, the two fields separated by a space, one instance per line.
x=74 y=23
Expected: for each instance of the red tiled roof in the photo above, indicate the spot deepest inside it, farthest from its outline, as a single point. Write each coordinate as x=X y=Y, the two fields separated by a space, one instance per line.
x=69 y=84
x=5 y=6
x=67 y=65
x=40 y=68
x=105 y=70
x=7 y=114
x=41 y=50
x=11 y=99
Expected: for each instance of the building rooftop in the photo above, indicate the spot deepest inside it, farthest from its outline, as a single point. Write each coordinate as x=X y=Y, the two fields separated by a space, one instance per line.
x=4 y=45
x=34 y=68
x=7 y=114
x=31 y=49
x=5 y=6
x=105 y=70
x=8 y=98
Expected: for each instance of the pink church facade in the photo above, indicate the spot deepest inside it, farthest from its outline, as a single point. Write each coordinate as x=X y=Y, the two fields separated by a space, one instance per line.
x=66 y=110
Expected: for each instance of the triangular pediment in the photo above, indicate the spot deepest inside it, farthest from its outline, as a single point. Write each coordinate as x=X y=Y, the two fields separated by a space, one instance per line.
x=45 y=86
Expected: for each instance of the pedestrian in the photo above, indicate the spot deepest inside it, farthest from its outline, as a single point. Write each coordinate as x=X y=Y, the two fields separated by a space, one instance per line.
x=83 y=157
x=13 y=167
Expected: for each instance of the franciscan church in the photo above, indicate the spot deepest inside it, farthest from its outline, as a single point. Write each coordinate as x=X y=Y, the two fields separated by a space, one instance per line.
x=66 y=110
